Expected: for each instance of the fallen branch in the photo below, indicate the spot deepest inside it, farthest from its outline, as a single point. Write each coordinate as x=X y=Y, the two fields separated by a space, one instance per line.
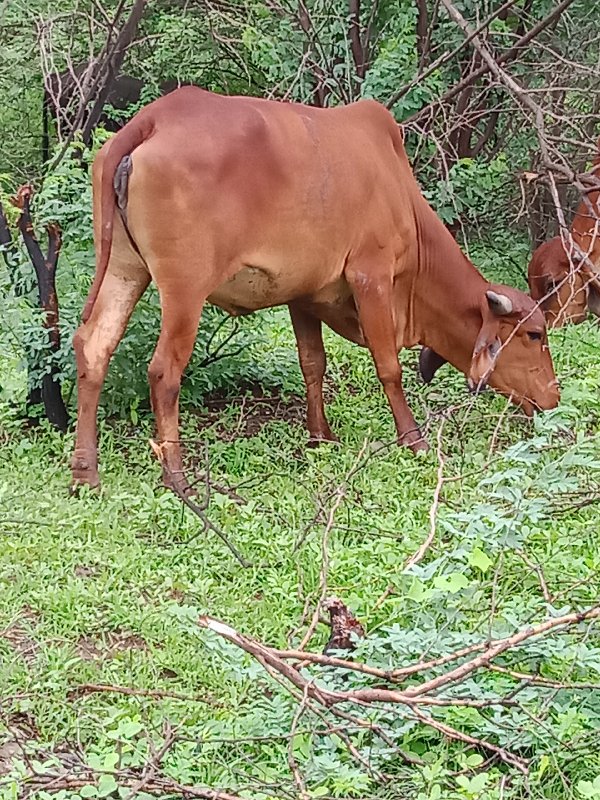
x=499 y=646
x=56 y=782
x=421 y=694
x=539 y=680
x=200 y=511
x=452 y=733
x=152 y=767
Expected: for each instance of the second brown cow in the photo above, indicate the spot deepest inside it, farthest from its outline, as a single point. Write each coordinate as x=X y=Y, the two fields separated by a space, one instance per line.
x=564 y=276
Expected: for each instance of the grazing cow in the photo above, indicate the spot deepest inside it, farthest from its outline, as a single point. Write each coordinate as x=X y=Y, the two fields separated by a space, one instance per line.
x=565 y=288
x=249 y=204
x=563 y=283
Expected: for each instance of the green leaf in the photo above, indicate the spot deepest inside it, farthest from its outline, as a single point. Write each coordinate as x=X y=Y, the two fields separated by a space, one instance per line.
x=88 y=791
x=589 y=789
x=544 y=763
x=435 y=792
x=474 y=760
x=479 y=559
x=452 y=583
x=106 y=785
x=416 y=591
x=110 y=761
x=127 y=730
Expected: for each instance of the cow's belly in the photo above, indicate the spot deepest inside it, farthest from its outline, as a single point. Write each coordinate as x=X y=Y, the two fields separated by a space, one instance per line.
x=268 y=283
x=253 y=288
x=250 y=289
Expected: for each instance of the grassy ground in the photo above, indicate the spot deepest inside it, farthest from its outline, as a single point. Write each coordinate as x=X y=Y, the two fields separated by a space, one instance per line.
x=106 y=589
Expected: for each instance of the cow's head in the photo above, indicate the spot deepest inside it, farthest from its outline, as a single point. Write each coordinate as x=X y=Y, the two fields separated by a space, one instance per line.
x=511 y=351
x=558 y=284
x=510 y=354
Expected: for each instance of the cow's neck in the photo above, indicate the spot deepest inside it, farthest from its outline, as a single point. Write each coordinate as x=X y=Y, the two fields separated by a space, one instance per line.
x=448 y=292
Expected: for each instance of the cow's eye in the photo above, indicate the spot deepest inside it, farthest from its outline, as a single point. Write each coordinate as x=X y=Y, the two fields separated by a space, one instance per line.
x=534 y=336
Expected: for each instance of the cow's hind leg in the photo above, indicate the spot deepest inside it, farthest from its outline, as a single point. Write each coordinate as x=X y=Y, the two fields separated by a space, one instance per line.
x=311 y=354
x=372 y=292
x=95 y=341
x=181 y=311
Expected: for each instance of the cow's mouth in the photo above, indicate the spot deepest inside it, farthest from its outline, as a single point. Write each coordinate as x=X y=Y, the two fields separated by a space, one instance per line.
x=529 y=407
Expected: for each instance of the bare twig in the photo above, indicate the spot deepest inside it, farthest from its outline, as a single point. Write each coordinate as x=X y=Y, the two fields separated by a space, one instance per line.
x=159 y=694
x=420 y=553
x=200 y=511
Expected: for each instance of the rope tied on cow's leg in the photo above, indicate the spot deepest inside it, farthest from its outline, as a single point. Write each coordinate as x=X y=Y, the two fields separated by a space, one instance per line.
x=169 y=457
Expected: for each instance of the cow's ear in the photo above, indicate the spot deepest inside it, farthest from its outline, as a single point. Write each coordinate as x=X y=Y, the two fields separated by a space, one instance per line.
x=429 y=363
x=499 y=304
x=483 y=361
x=401 y=131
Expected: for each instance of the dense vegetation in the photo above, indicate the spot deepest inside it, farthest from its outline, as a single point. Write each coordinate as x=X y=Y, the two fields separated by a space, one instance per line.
x=109 y=686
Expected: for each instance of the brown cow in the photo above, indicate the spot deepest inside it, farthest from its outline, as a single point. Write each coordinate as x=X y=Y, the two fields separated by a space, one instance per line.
x=565 y=284
x=248 y=204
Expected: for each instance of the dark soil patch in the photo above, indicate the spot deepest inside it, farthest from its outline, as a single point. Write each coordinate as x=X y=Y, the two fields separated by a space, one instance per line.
x=84 y=571
x=20 y=730
x=112 y=643
x=18 y=635
x=255 y=410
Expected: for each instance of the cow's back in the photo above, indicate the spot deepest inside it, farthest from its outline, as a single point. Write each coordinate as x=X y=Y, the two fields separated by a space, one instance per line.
x=285 y=188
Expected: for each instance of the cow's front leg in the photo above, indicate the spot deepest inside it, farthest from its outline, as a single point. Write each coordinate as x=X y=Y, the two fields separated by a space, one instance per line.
x=311 y=354
x=373 y=297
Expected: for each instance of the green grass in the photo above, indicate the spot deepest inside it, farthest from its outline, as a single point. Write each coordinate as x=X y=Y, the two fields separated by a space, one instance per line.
x=106 y=588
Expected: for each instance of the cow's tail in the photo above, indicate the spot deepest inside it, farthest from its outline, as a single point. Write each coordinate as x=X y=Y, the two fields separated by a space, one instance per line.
x=108 y=159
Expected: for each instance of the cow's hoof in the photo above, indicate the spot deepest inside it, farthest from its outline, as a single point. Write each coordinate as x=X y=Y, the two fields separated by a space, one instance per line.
x=415 y=441
x=420 y=447
x=84 y=471
x=80 y=482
